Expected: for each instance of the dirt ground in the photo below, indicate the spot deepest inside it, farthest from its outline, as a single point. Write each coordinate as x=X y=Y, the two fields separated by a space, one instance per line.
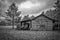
x=9 y=34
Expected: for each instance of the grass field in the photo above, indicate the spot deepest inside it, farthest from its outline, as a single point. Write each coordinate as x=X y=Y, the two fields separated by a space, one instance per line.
x=7 y=34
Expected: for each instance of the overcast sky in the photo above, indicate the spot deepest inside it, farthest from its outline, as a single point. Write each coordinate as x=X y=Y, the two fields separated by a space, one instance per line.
x=31 y=7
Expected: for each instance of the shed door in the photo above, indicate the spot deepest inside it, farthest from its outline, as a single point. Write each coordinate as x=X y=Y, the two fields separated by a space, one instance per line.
x=27 y=26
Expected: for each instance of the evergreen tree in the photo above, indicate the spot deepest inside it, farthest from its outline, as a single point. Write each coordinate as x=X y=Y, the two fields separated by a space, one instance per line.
x=32 y=17
x=12 y=13
x=57 y=15
x=26 y=17
x=57 y=4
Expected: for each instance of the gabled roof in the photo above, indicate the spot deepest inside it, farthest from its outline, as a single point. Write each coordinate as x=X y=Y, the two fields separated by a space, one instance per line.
x=44 y=16
x=40 y=16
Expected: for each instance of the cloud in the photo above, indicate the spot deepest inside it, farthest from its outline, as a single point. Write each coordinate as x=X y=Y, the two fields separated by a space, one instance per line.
x=30 y=7
x=3 y=5
x=6 y=3
x=17 y=1
x=37 y=5
x=29 y=4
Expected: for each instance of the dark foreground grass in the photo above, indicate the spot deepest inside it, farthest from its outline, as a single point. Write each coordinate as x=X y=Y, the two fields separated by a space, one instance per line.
x=7 y=34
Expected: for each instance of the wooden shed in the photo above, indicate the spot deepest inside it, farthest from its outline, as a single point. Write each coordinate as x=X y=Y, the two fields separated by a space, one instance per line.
x=41 y=22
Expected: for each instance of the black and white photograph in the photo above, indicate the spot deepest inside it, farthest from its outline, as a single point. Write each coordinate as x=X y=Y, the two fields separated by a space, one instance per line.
x=29 y=19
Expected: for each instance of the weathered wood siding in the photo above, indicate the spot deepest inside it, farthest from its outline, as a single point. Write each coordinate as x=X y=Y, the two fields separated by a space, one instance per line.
x=42 y=23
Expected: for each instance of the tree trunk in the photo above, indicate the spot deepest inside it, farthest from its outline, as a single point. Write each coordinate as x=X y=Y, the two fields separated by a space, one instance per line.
x=13 y=20
x=13 y=23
